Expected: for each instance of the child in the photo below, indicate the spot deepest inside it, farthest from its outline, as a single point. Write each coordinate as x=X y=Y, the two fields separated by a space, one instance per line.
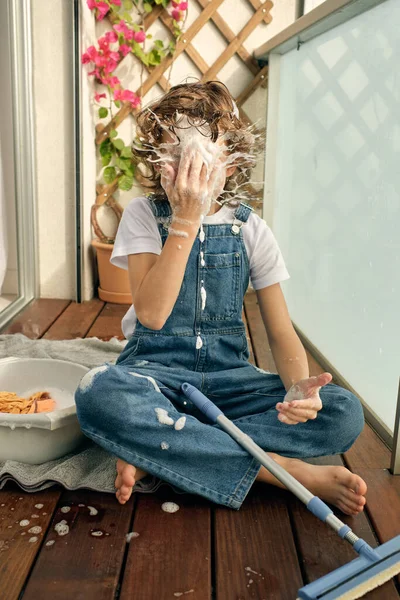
x=189 y=261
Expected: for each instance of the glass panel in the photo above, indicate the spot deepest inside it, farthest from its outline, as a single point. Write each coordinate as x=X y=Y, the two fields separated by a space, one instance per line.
x=9 y=290
x=337 y=213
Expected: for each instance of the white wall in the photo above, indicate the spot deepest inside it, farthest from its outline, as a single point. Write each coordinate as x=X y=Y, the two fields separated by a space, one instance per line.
x=52 y=81
x=54 y=134
x=10 y=285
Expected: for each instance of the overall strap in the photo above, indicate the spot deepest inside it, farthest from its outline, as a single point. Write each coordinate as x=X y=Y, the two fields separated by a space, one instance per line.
x=161 y=208
x=241 y=215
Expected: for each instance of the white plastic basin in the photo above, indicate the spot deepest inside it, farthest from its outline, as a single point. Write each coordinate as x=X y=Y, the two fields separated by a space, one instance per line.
x=38 y=438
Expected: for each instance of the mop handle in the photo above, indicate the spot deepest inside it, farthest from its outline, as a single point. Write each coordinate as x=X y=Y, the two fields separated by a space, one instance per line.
x=313 y=503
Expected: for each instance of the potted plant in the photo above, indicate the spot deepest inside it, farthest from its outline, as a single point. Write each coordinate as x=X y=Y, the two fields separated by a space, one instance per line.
x=118 y=168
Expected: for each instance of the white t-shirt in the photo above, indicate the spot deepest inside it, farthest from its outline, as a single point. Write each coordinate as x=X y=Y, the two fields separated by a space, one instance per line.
x=138 y=232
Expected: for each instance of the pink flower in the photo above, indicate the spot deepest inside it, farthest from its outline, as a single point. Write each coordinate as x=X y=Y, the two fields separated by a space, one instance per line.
x=124 y=49
x=92 y=52
x=98 y=97
x=139 y=36
x=116 y=2
x=91 y=4
x=176 y=14
x=183 y=6
x=85 y=58
x=113 y=81
x=111 y=37
x=103 y=9
x=114 y=56
x=110 y=66
x=129 y=35
x=103 y=43
x=117 y=94
x=121 y=27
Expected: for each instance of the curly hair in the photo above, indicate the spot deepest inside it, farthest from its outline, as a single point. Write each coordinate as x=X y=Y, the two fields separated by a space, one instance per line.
x=210 y=104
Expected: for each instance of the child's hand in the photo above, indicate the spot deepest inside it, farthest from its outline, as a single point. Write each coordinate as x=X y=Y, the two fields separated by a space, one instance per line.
x=302 y=401
x=188 y=189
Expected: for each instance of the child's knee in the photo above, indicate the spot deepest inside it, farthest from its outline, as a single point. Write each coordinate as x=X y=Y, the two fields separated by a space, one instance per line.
x=350 y=416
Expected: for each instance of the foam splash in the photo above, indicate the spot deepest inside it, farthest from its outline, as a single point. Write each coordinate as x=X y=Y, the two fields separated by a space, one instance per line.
x=151 y=379
x=163 y=417
x=180 y=424
x=170 y=507
x=62 y=528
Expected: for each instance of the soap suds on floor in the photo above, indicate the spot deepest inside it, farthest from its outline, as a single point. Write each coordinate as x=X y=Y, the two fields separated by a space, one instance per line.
x=93 y=511
x=131 y=535
x=36 y=529
x=163 y=417
x=65 y=509
x=62 y=528
x=97 y=533
x=33 y=539
x=178 y=594
x=24 y=522
x=180 y=424
x=50 y=542
x=38 y=505
x=34 y=516
x=151 y=379
x=170 y=507
x=164 y=446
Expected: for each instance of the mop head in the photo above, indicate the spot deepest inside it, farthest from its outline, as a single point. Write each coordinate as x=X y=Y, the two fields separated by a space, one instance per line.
x=357 y=578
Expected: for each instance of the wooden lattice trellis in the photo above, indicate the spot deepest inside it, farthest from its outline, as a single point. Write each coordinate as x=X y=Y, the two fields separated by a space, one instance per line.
x=209 y=72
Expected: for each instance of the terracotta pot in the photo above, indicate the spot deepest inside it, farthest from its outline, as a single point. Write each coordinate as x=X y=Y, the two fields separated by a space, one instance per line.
x=114 y=282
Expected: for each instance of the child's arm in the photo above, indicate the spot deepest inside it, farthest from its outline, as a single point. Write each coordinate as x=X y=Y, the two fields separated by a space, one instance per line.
x=302 y=402
x=288 y=352
x=156 y=280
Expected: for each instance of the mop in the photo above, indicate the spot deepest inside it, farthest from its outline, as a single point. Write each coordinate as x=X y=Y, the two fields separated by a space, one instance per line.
x=371 y=569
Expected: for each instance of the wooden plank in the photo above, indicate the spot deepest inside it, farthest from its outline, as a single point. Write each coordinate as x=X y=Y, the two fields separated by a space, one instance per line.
x=236 y=43
x=255 y=550
x=261 y=348
x=81 y=565
x=368 y=452
x=229 y=36
x=108 y=323
x=322 y=550
x=17 y=553
x=172 y=555
x=195 y=27
x=75 y=321
x=259 y=79
x=267 y=7
x=36 y=319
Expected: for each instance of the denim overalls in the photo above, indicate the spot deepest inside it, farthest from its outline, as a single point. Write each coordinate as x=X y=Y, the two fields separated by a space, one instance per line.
x=207 y=347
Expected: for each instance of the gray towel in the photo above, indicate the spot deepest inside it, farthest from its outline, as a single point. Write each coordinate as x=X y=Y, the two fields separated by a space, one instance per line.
x=89 y=466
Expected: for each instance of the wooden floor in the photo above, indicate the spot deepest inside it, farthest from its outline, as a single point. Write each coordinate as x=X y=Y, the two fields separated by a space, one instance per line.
x=267 y=550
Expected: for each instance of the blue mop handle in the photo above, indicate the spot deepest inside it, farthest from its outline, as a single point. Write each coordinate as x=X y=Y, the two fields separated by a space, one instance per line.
x=313 y=503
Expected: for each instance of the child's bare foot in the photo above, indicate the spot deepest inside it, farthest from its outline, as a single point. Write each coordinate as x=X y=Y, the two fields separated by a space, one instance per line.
x=127 y=476
x=336 y=485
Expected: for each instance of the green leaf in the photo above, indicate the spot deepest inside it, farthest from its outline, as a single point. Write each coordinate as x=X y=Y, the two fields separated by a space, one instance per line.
x=154 y=57
x=106 y=159
x=117 y=103
x=135 y=27
x=165 y=3
x=109 y=174
x=128 y=4
x=158 y=1
x=125 y=183
x=113 y=133
x=148 y=36
x=105 y=147
x=147 y=7
x=126 y=152
x=103 y=112
x=126 y=166
x=118 y=144
x=158 y=43
x=127 y=17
